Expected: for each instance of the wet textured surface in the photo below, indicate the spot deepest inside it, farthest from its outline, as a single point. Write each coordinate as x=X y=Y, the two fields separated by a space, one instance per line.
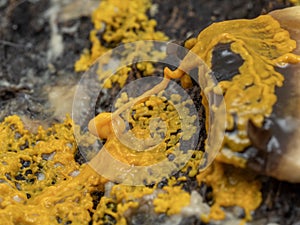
x=30 y=68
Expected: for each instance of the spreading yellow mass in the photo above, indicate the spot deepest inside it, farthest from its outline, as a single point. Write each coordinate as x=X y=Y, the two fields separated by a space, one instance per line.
x=118 y=22
x=155 y=133
x=40 y=181
x=231 y=187
x=250 y=95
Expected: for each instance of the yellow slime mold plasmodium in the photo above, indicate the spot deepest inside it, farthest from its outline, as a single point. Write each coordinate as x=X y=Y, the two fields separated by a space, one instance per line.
x=231 y=187
x=117 y=22
x=41 y=183
x=172 y=200
x=122 y=199
x=148 y=146
x=39 y=176
x=250 y=95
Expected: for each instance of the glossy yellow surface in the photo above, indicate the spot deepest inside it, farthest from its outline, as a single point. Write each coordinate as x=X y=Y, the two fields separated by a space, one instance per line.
x=41 y=183
x=155 y=131
x=250 y=95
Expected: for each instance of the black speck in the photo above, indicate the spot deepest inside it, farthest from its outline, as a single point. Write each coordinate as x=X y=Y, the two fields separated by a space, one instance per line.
x=97 y=195
x=162 y=183
x=25 y=163
x=8 y=176
x=31 y=181
x=109 y=218
x=58 y=219
x=27 y=172
x=20 y=177
x=24 y=146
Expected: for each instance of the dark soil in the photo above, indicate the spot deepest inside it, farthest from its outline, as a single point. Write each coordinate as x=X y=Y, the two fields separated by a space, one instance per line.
x=25 y=68
x=182 y=19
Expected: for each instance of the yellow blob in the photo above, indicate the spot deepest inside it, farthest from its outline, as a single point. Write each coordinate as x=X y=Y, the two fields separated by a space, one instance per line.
x=172 y=200
x=231 y=187
x=186 y=81
x=105 y=125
